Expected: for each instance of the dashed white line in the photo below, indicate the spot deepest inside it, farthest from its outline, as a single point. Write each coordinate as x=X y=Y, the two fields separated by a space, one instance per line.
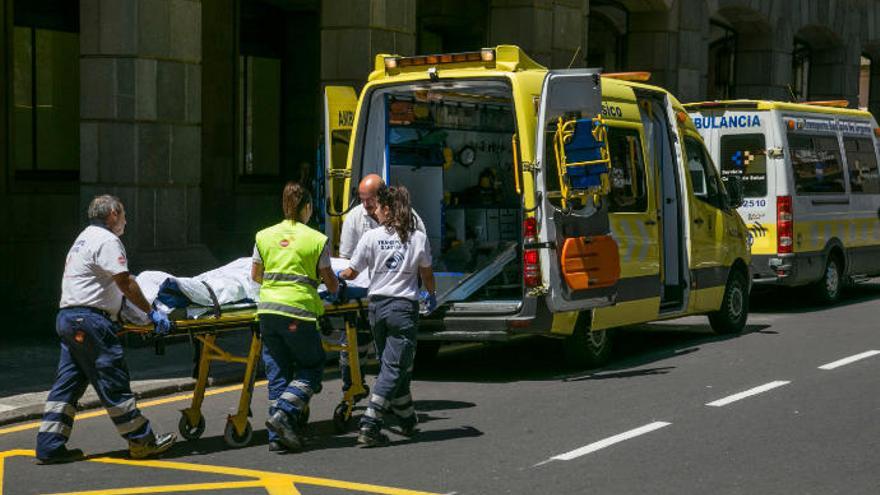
x=601 y=444
x=748 y=393
x=848 y=360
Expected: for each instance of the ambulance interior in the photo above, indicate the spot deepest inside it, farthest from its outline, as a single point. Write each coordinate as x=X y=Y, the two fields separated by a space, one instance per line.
x=450 y=144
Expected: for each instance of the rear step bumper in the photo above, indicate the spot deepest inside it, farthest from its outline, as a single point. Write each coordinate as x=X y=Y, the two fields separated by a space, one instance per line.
x=476 y=323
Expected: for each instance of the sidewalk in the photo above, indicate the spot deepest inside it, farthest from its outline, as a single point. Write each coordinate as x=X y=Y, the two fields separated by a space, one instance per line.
x=28 y=371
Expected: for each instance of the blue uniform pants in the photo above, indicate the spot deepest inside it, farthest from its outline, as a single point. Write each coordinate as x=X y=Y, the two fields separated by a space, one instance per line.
x=90 y=353
x=294 y=360
x=394 y=322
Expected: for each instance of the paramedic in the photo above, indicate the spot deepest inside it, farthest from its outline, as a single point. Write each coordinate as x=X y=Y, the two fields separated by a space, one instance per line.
x=288 y=257
x=95 y=280
x=396 y=254
x=358 y=221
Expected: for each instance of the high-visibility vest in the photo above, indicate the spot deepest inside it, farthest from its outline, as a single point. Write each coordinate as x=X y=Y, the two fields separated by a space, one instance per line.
x=290 y=253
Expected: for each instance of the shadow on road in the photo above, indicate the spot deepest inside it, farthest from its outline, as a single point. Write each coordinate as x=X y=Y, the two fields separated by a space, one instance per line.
x=796 y=300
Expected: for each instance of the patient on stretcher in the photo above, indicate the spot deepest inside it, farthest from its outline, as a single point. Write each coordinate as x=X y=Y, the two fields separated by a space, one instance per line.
x=226 y=288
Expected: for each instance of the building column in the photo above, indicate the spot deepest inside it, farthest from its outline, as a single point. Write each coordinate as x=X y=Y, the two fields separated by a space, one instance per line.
x=551 y=32
x=874 y=86
x=140 y=79
x=763 y=64
x=834 y=73
x=354 y=31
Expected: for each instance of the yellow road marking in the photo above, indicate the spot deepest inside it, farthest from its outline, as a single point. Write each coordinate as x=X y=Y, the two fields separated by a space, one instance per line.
x=141 y=405
x=273 y=483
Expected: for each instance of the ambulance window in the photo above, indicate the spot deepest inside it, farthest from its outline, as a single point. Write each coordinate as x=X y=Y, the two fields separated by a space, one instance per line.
x=815 y=161
x=704 y=180
x=862 y=162
x=745 y=156
x=627 y=171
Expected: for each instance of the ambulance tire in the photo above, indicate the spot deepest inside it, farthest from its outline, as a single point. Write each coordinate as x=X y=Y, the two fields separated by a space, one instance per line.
x=585 y=349
x=734 y=312
x=827 y=290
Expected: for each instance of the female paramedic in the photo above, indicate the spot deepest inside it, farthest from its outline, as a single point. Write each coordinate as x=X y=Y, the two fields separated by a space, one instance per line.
x=288 y=257
x=396 y=254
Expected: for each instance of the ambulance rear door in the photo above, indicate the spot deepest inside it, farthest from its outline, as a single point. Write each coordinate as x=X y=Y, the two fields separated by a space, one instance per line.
x=340 y=103
x=570 y=94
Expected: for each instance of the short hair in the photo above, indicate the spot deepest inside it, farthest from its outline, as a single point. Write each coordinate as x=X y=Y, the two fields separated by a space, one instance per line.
x=293 y=200
x=102 y=206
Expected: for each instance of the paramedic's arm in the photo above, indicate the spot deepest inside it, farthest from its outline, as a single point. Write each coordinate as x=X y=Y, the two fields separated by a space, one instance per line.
x=427 y=275
x=360 y=259
x=257 y=266
x=132 y=291
x=257 y=273
x=325 y=270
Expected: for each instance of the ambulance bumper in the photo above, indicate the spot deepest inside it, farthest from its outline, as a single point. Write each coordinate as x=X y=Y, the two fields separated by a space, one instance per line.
x=785 y=270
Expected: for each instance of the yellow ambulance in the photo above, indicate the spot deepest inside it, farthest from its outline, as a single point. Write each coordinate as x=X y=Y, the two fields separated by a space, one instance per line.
x=811 y=185
x=557 y=202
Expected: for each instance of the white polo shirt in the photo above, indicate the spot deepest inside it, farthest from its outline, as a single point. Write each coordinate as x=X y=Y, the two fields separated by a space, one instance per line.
x=95 y=257
x=357 y=223
x=394 y=266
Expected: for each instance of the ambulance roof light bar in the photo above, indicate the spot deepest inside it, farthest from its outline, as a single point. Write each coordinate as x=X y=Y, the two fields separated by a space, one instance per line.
x=486 y=55
x=828 y=103
x=639 y=76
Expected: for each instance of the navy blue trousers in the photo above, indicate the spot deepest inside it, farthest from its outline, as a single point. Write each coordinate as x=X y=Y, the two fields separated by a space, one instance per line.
x=394 y=322
x=294 y=360
x=90 y=353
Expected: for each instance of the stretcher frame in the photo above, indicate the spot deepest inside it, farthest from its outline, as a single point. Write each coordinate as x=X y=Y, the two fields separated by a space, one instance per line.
x=238 y=431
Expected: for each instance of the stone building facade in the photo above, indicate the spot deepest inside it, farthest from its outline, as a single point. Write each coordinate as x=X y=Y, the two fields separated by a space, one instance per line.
x=195 y=112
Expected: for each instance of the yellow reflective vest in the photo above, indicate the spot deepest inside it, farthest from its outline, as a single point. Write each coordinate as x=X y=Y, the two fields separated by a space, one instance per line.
x=290 y=252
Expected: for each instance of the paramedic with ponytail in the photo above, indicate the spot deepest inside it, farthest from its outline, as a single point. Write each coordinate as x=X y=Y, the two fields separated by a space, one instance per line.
x=288 y=259
x=396 y=255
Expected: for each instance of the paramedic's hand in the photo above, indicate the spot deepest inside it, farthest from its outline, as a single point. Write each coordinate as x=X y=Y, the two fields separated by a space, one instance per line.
x=162 y=325
x=341 y=295
x=430 y=300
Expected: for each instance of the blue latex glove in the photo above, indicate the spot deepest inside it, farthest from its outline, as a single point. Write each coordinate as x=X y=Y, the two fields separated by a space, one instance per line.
x=161 y=323
x=429 y=299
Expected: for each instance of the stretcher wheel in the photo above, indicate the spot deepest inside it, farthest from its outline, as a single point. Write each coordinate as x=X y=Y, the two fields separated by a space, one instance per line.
x=233 y=439
x=303 y=418
x=341 y=418
x=188 y=431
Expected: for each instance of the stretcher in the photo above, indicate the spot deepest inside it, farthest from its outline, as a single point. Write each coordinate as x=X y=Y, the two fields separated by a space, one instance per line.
x=204 y=329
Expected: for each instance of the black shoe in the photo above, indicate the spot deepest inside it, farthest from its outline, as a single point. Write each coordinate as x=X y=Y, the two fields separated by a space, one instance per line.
x=279 y=424
x=407 y=429
x=61 y=455
x=277 y=448
x=372 y=437
x=152 y=447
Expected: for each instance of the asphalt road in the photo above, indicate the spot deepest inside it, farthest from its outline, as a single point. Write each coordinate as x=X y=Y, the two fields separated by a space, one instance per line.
x=679 y=410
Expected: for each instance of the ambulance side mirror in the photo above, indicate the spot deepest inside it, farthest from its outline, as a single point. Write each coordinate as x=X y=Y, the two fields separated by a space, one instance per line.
x=735 y=193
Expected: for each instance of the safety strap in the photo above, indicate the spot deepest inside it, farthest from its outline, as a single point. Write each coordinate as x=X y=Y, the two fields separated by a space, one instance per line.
x=290 y=277
x=214 y=299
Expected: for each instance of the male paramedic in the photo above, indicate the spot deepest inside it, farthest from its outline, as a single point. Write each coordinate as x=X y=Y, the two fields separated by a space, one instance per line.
x=95 y=280
x=288 y=259
x=361 y=219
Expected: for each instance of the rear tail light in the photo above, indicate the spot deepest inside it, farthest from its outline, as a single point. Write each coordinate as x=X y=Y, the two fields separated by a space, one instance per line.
x=531 y=265
x=784 y=225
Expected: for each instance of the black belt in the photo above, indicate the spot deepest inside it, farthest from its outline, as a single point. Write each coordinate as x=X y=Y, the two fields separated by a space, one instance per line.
x=90 y=309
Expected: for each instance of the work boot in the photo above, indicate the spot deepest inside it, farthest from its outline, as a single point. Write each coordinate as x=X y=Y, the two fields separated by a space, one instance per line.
x=276 y=447
x=151 y=446
x=279 y=424
x=407 y=427
x=61 y=455
x=372 y=437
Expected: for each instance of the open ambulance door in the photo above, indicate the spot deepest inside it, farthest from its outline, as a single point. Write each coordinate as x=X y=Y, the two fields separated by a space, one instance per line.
x=579 y=260
x=340 y=103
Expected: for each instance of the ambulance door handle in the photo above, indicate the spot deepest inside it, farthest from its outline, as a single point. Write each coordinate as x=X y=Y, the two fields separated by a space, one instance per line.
x=650 y=222
x=698 y=221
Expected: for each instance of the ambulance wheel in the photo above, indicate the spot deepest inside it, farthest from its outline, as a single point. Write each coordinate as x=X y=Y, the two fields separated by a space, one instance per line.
x=235 y=440
x=188 y=431
x=303 y=419
x=585 y=348
x=341 y=418
x=827 y=289
x=731 y=317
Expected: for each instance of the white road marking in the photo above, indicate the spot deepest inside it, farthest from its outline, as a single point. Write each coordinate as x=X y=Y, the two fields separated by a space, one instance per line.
x=848 y=360
x=748 y=393
x=601 y=444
